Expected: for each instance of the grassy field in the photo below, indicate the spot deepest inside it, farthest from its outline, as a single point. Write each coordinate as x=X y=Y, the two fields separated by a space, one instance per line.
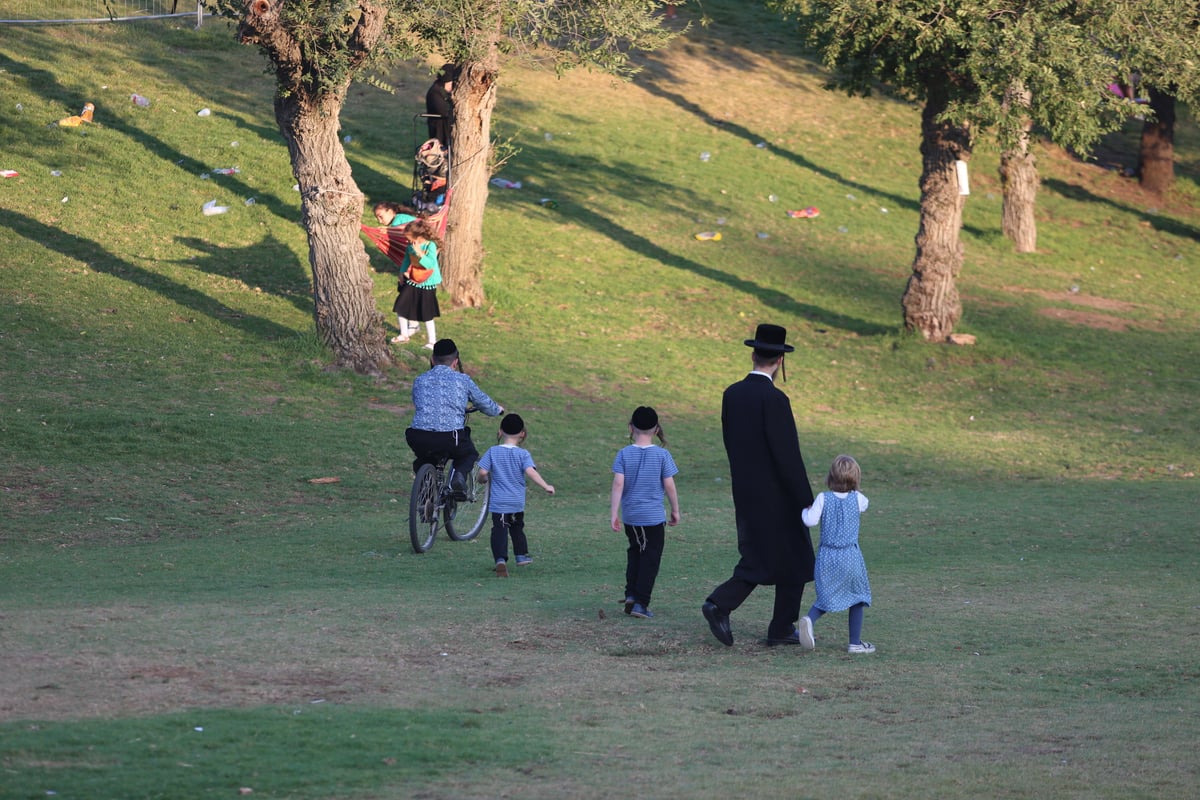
x=185 y=613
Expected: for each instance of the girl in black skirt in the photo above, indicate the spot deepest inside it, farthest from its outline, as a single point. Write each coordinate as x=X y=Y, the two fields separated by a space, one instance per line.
x=416 y=297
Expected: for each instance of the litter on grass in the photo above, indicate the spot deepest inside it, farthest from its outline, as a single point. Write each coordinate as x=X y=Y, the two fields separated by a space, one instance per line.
x=506 y=184
x=8 y=173
x=83 y=116
x=709 y=236
x=211 y=208
x=802 y=213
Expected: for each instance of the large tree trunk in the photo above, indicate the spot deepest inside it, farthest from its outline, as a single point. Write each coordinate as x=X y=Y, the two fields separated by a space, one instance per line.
x=1019 y=184
x=470 y=171
x=931 y=304
x=1156 y=161
x=308 y=114
x=331 y=205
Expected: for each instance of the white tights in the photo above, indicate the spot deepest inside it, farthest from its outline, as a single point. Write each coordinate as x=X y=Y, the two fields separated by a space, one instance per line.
x=408 y=328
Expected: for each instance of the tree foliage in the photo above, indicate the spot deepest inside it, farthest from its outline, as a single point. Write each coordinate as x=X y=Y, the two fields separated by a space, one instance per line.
x=597 y=34
x=965 y=61
x=975 y=50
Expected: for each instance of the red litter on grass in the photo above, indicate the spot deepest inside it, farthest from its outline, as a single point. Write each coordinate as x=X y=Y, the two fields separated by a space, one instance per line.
x=8 y=173
x=809 y=212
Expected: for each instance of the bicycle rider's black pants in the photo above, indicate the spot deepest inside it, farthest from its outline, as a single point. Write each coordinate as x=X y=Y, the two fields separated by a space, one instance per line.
x=428 y=445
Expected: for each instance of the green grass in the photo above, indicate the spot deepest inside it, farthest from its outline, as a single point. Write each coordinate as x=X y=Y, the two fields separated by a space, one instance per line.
x=166 y=562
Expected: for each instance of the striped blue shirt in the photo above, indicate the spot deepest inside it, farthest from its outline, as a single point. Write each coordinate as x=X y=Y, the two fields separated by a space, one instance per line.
x=441 y=396
x=506 y=465
x=645 y=469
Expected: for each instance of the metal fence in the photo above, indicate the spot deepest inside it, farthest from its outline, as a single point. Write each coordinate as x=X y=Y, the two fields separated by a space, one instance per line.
x=63 y=12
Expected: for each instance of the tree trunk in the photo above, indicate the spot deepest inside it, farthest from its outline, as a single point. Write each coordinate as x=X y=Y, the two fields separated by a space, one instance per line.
x=470 y=160
x=344 y=309
x=308 y=113
x=930 y=302
x=1156 y=161
x=1019 y=184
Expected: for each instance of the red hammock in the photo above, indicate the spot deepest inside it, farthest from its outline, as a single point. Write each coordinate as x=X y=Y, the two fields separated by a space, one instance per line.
x=394 y=243
x=390 y=240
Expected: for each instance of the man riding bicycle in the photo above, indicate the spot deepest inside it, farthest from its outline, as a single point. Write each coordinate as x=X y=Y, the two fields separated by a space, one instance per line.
x=441 y=396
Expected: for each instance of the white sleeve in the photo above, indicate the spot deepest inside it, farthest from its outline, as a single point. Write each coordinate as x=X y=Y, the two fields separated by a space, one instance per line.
x=862 y=502
x=812 y=514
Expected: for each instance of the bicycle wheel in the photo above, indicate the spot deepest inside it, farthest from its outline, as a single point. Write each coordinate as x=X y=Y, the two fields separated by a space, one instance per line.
x=424 y=516
x=465 y=518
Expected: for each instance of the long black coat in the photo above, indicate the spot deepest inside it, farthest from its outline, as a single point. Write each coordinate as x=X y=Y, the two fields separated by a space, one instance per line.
x=438 y=102
x=770 y=485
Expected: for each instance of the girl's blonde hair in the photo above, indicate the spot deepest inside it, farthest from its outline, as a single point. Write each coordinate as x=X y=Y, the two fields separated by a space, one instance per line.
x=844 y=475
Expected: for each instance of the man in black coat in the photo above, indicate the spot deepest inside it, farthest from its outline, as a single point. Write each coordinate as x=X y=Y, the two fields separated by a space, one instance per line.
x=438 y=105
x=770 y=489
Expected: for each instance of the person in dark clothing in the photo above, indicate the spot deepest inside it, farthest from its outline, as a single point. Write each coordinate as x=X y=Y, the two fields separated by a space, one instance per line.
x=439 y=108
x=770 y=492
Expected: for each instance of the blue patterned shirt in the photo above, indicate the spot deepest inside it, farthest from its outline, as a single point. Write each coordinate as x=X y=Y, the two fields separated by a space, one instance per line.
x=441 y=396
x=645 y=469
x=506 y=465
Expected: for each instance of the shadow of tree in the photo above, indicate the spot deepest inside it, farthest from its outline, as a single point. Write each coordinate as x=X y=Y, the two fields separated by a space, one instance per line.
x=587 y=172
x=256 y=265
x=106 y=262
x=1073 y=191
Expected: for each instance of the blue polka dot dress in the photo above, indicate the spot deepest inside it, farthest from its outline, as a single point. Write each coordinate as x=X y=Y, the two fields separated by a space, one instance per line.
x=840 y=575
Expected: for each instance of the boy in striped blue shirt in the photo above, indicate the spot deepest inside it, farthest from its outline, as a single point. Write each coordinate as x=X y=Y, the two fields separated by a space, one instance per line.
x=507 y=465
x=642 y=473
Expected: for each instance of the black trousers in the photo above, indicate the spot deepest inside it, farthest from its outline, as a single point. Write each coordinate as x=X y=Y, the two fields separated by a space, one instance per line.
x=788 y=596
x=427 y=446
x=506 y=525
x=642 y=560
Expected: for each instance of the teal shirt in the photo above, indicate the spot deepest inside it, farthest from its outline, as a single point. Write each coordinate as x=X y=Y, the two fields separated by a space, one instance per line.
x=428 y=261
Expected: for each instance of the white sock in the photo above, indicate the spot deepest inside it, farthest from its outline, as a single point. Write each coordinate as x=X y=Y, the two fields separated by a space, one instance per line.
x=430 y=331
x=403 y=324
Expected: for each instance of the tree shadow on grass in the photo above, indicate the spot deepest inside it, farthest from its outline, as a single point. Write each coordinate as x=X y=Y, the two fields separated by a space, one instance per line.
x=1159 y=222
x=658 y=87
x=255 y=265
x=589 y=173
x=100 y=260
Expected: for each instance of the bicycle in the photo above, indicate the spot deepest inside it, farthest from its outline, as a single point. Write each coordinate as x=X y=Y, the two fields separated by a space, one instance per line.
x=432 y=505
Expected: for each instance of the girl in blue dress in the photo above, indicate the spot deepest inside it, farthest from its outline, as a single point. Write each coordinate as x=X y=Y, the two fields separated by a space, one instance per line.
x=840 y=574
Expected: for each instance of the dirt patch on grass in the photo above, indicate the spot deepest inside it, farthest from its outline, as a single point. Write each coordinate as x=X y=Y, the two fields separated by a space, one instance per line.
x=1086 y=318
x=1088 y=309
x=1091 y=301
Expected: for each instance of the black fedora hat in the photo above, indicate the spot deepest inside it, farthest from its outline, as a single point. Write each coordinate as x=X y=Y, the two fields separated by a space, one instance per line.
x=770 y=339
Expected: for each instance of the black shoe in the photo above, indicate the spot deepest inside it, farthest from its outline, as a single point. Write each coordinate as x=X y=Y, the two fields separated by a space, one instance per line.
x=718 y=623
x=458 y=487
x=793 y=639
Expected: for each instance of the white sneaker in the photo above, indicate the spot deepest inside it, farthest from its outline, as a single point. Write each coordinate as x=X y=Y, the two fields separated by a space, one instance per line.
x=806 y=634
x=864 y=648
